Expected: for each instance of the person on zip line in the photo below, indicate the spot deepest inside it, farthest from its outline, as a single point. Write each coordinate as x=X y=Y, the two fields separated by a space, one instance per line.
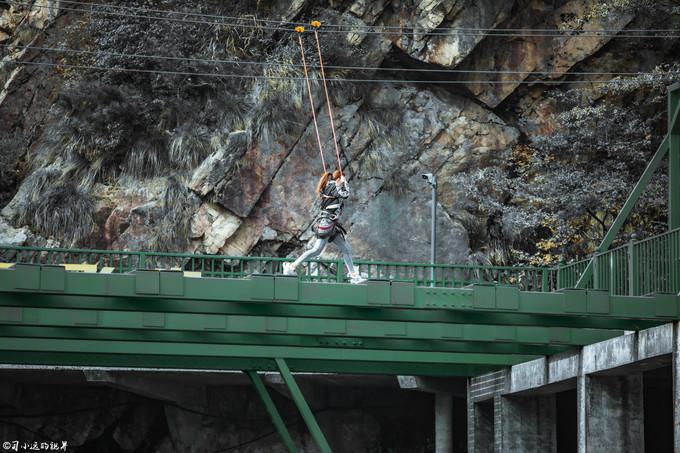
x=332 y=188
x=332 y=191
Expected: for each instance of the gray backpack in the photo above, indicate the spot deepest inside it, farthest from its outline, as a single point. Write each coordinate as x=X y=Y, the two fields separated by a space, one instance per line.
x=324 y=227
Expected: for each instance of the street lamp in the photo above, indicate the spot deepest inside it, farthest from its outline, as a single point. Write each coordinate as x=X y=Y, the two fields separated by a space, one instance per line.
x=432 y=181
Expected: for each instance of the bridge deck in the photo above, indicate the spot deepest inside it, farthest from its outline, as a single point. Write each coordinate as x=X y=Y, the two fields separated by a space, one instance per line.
x=159 y=318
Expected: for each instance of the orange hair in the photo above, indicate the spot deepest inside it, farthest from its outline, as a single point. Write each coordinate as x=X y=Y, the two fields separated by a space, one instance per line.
x=324 y=180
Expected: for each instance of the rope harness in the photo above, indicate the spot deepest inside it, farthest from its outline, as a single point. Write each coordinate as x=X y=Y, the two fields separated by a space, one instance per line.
x=316 y=24
x=299 y=31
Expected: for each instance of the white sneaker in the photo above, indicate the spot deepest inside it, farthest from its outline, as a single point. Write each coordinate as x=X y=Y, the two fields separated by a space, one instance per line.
x=356 y=278
x=288 y=269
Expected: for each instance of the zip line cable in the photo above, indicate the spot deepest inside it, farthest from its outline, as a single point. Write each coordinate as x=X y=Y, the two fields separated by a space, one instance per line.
x=438 y=32
x=263 y=77
x=366 y=68
x=299 y=31
x=315 y=25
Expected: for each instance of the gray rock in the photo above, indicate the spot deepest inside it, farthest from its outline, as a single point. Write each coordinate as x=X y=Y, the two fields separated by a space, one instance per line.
x=11 y=236
x=451 y=47
x=132 y=430
x=217 y=224
x=220 y=163
x=391 y=228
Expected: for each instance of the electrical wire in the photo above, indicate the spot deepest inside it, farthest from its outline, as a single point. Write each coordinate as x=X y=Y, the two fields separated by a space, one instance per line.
x=382 y=27
x=286 y=65
x=344 y=80
x=491 y=32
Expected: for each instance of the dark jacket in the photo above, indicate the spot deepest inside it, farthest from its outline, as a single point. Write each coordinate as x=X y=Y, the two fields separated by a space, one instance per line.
x=333 y=198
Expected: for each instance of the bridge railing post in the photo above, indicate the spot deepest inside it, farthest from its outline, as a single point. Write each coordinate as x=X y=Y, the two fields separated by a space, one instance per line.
x=340 y=272
x=560 y=273
x=545 y=274
x=633 y=280
x=596 y=273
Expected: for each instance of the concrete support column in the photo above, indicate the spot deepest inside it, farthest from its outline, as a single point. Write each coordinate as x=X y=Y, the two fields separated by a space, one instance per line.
x=610 y=413
x=443 y=420
x=529 y=424
x=485 y=430
x=497 y=424
x=480 y=427
x=581 y=412
x=676 y=387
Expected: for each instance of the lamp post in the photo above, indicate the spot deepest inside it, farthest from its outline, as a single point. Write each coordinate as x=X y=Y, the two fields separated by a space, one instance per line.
x=432 y=181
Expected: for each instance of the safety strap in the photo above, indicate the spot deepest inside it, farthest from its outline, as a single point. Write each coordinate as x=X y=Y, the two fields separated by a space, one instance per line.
x=299 y=31
x=316 y=24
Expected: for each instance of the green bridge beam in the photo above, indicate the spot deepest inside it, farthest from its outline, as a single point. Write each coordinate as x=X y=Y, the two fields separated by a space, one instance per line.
x=480 y=305
x=272 y=411
x=323 y=329
x=303 y=407
x=674 y=156
x=392 y=344
x=254 y=351
x=627 y=207
x=51 y=358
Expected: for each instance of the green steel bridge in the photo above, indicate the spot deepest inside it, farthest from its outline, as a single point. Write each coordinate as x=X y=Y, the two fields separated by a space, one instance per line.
x=175 y=310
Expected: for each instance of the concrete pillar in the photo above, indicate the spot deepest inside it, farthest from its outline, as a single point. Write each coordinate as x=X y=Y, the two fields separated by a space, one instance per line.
x=581 y=409
x=676 y=387
x=480 y=426
x=443 y=420
x=470 y=410
x=485 y=430
x=529 y=424
x=497 y=424
x=610 y=413
x=444 y=391
x=484 y=427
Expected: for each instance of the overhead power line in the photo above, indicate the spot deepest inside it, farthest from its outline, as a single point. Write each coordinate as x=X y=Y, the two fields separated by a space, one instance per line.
x=346 y=80
x=287 y=65
x=293 y=24
x=338 y=28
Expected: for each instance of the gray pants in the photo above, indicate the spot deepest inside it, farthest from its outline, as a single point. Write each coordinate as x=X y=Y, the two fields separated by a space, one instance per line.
x=320 y=244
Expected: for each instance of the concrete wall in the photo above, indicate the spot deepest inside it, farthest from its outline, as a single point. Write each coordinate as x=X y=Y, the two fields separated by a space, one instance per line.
x=614 y=413
x=528 y=424
x=609 y=379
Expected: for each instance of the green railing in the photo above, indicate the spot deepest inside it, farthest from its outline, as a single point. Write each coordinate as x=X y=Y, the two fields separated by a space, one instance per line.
x=526 y=277
x=637 y=268
x=569 y=274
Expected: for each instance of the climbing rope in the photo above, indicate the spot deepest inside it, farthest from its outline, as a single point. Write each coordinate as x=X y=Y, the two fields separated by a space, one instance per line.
x=299 y=31
x=316 y=24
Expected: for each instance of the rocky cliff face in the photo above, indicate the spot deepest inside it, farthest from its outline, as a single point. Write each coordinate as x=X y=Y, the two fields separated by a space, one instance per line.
x=205 y=415
x=161 y=153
